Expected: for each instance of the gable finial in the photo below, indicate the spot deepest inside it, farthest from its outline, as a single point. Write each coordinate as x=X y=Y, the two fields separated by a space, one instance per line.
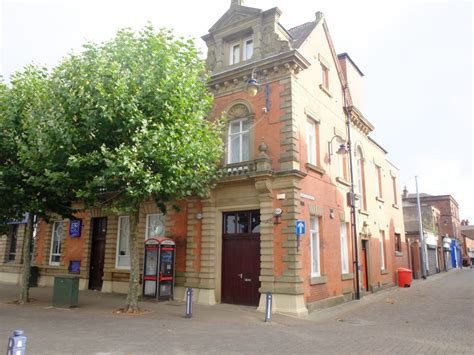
x=236 y=3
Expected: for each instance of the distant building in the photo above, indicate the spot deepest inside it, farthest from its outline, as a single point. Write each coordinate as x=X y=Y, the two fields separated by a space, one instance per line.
x=442 y=231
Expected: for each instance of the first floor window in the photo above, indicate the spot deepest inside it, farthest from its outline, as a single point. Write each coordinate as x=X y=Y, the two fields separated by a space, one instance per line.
x=344 y=249
x=311 y=142
x=382 y=250
x=56 y=241
x=315 y=253
x=123 y=251
x=13 y=240
x=155 y=226
x=239 y=141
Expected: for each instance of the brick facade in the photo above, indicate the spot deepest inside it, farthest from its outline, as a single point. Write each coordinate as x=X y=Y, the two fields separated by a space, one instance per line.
x=279 y=174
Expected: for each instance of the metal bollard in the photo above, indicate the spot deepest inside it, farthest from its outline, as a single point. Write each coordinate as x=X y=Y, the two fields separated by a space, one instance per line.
x=189 y=303
x=17 y=343
x=268 y=308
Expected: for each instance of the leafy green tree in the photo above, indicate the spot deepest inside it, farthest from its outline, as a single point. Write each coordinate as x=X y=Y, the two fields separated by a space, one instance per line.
x=32 y=159
x=135 y=108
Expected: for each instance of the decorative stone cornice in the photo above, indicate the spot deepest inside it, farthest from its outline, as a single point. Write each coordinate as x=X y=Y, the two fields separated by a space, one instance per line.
x=358 y=120
x=234 y=79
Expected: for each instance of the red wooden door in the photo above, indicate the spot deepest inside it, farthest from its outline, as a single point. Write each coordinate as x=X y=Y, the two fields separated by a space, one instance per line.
x=241 y=258
x=363 y=265
x=96 y=270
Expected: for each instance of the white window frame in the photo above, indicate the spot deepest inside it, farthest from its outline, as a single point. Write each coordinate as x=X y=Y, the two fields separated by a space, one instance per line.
x=245 y=54
x=231 y=53
x=311 y=142
x=360 y=188
x=117 y=266
x=315 y=246
x=51 y=262
x=378 y=171
x=240 y=134
x=241 y=44
x=147 y=230
x=382 y=250
x=344 y=249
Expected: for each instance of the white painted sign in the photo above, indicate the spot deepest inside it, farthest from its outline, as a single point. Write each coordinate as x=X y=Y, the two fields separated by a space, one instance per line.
x=308 y=197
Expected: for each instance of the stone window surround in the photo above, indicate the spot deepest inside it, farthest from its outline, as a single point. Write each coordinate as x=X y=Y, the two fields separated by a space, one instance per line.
x=240 y=38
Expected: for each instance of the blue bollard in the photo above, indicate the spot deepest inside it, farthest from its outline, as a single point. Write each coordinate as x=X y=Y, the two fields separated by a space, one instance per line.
x=268 y=308
x=189 y=303
x=17 y=343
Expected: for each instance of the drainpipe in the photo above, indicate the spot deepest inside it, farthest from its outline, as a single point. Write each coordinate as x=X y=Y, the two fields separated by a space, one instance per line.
x=352 y=200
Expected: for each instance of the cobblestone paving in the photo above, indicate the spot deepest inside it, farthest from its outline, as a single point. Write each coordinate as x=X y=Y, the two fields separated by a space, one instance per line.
x=434 y=316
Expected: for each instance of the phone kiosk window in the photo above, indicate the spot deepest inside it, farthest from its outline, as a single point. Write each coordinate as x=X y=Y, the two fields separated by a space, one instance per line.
x=158 y=278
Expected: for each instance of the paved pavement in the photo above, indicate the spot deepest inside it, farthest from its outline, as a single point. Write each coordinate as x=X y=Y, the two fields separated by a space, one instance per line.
x=434 y=316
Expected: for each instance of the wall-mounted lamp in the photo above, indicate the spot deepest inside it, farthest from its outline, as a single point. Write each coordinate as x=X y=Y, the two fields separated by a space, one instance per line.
x=343 y=149
x=253 y=87
x=277 y=216
x=199 y=216
x=331 y=213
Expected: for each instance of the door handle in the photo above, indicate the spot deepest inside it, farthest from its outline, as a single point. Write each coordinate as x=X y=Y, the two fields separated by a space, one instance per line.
x=239 y=275
x=247 y=280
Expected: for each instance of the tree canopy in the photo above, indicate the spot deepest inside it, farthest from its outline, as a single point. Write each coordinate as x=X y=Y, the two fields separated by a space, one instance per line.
x=136 y=108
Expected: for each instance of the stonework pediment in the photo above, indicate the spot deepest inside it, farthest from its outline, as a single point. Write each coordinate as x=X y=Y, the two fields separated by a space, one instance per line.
x=235 y=15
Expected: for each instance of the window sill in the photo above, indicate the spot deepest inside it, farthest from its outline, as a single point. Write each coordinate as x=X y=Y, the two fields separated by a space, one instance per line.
x=343 y=181
x=347 y=276
x=398 y=253
x=395 y=206
x=364 y=212
x=315 y=168
x=326 y=90
x=380 y=199
x=318 y=280
x=384 y=272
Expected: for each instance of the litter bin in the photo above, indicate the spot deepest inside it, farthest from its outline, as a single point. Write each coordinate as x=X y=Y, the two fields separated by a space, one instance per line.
x=34 y=273
x=66 y=291
x=404 y=277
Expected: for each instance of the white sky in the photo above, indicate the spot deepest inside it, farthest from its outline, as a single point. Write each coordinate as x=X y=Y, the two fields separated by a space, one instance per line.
x=416 y=57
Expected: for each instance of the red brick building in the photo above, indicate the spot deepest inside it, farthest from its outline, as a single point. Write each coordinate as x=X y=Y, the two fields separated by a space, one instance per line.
x=280 y=167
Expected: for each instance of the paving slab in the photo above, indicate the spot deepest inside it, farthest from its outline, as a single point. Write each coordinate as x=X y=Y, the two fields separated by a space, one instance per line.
x=433 y=316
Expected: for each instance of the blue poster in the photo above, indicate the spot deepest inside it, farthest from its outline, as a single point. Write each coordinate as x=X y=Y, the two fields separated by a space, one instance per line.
x=75 y=228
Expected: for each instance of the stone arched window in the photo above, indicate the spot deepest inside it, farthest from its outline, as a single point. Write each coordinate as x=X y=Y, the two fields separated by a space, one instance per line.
x=239 y=137
x=360 y=178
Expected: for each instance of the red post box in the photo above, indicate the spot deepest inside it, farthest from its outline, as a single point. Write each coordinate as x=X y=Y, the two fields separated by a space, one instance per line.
x=404 y=277
x=158 y=278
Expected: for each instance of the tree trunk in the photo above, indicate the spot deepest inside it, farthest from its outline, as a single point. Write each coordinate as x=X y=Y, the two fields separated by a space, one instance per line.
x=134 y=245
x=26 y=270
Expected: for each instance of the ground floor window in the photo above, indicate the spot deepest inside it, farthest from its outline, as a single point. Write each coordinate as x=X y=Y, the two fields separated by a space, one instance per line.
x=123 y=250
x=382 y=250
x=155 y=226
x=398 y=242
x=56 y=242
x=315 y=252
x=344 y=249
x=13 y=242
